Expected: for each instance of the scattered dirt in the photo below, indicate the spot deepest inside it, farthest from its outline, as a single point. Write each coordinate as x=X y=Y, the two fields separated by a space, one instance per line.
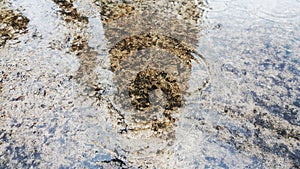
x=11 y=25
x=111 y=10
x=149 y=80
x=1 y=87
x=151 y=52
x=131 y=45
x=79 y=43
x=69 y=12
x=134 y=112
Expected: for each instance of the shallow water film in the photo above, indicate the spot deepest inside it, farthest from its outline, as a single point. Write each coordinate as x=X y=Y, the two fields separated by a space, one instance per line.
x=149 y=84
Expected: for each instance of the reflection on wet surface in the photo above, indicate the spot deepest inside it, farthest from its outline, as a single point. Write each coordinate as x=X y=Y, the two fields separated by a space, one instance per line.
x=151 y=53
x=149 y=84
x=79 y=45
x=130 y=45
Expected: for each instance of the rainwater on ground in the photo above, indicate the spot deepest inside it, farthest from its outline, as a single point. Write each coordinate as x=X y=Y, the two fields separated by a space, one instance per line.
x=149 y=84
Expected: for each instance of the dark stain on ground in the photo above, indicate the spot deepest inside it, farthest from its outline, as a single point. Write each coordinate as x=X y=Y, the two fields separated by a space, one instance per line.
x=24 y=158
x=256 y=138
x=11 y=24
x=111 y=10
x=260 y=120
x=279 y=149
x=1 y=87
x=297 y=102
x=69 y=12
x=79 y=44
x=114 y=9
x=131 y=45
x=151 y=66
x=4 y=77
x=286 y=112
x=88 y=58
x=21 y=157
x=149 y=80
x=116 y=162
x=157 y=126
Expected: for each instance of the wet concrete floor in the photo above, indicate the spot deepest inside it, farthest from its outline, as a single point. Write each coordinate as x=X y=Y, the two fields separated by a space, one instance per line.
x=149 y=84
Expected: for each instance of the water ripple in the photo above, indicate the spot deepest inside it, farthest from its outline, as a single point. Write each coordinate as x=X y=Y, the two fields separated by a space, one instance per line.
x=278 y=11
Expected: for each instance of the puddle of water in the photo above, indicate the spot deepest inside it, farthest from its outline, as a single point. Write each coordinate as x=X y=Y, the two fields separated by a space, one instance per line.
x=158 y=84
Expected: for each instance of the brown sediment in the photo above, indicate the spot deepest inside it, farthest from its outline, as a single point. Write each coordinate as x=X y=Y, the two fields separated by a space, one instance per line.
x=162 y=128
x=178 y=19
x=79 y=45
x=11 y=24
x=88 y=61
x=1 y=87
x=149 y=80
x=69 y=11
x=135 y=28
x=131 y=45
x=111 y=11
x=151 y=48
